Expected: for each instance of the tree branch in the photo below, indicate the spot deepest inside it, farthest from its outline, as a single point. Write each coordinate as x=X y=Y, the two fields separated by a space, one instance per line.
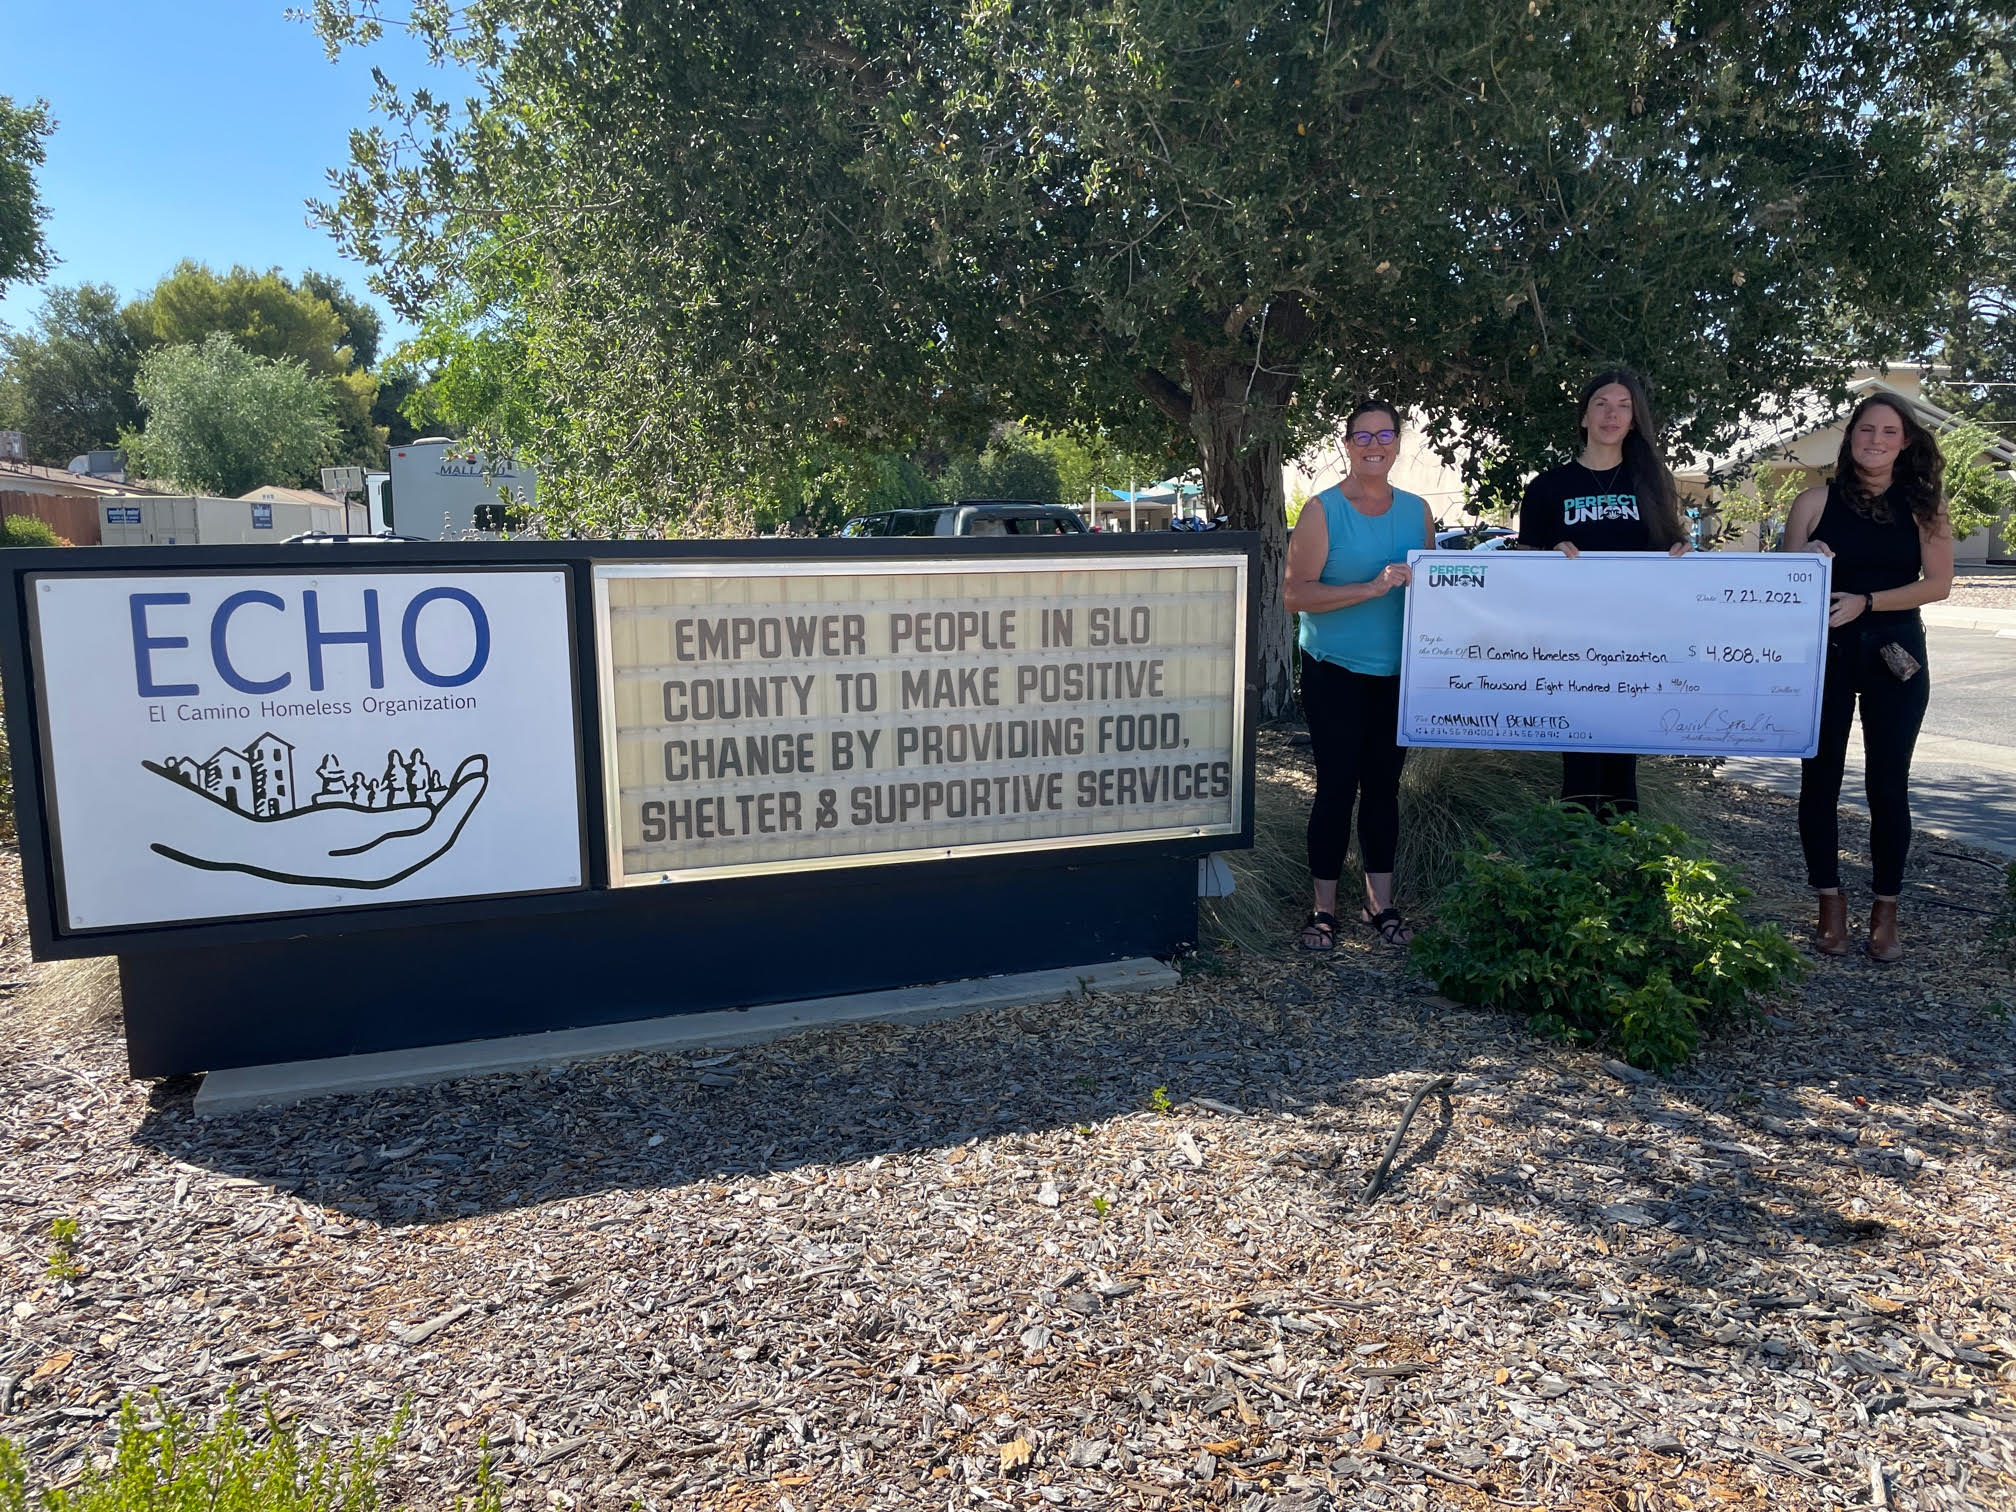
x=1164 y=394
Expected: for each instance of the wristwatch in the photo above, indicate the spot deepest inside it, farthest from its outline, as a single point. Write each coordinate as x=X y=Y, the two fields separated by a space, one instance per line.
x=1869 y=602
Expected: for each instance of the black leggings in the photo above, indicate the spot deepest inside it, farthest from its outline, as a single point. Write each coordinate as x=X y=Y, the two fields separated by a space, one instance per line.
x=1892 y=711
x=1602 y=782
x=1353 y=719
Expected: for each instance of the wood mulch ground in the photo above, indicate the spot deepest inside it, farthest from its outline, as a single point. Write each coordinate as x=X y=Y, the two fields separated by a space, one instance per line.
x=987 y=1263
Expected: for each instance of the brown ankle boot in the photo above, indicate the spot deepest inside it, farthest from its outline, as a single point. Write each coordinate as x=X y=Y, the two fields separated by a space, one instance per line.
x=1883 y=942
x=1830 y=936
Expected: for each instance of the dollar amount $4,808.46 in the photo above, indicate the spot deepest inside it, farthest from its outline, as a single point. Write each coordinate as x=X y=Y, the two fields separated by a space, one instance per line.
x=1748 y=656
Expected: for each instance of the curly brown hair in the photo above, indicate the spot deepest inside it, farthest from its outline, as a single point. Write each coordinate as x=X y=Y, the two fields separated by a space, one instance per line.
x=1915 y=477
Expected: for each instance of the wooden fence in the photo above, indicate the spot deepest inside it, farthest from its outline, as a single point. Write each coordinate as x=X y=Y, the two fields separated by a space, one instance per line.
x=74 y=519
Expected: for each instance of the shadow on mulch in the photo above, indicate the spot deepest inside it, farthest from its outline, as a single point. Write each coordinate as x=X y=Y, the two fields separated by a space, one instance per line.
x=1253 y=1031
x=1315 y=1033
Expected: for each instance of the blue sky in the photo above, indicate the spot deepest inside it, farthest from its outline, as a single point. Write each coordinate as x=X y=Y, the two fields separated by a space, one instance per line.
x=194 y=130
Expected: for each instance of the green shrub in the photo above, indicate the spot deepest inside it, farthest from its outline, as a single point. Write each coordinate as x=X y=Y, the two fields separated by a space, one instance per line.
x=2002 y=932
x=26 y=530
x=1624 y=933
x=172 y=1464
x=1447 y=799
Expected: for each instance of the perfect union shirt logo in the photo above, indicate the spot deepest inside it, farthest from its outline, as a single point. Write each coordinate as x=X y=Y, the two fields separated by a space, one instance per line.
x=1592 y=507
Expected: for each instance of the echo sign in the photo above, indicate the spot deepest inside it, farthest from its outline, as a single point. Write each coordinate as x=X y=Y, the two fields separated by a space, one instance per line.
x=316 y=639
x=230 y=745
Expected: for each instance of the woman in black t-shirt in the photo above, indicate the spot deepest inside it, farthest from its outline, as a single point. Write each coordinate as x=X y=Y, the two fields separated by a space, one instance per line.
x=1617 y=496
x=1883 y=521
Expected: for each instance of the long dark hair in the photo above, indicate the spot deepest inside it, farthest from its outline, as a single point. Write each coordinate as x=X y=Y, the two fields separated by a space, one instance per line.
x=1651 y=479
x=1914 y=477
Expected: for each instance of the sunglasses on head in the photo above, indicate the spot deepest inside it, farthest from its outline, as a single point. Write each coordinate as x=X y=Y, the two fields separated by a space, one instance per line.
x=1366 y=438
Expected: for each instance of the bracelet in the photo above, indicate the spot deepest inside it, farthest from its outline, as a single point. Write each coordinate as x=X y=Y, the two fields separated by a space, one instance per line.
x=1869 y=602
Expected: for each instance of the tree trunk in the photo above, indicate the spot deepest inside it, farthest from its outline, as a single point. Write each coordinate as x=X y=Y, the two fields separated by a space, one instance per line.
x=1241 y=459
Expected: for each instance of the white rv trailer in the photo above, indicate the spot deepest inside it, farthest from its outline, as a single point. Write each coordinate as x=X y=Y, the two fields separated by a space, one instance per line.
x=437 y=486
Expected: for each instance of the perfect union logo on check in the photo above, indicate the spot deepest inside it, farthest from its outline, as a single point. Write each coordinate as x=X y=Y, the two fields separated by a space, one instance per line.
x=1456 y=574
x=1715 y=653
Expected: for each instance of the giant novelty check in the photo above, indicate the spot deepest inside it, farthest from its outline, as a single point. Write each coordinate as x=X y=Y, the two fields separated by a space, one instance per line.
x=1713 y=653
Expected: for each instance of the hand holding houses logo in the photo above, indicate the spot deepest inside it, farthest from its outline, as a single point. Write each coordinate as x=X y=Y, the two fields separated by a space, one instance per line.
x=239 y=810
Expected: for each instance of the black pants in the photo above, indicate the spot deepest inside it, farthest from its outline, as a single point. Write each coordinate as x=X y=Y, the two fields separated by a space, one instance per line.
x=1892 y=711
x=1353 y=719
x=1602 y=782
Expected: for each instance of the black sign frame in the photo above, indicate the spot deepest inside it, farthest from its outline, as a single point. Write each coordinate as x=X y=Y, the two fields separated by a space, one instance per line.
x=179 y=978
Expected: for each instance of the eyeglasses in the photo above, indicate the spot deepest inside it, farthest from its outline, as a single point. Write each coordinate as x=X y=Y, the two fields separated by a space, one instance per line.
x=1366 y=438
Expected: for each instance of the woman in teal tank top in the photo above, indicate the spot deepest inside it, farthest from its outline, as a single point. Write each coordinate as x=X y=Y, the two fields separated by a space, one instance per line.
x=1347 y=569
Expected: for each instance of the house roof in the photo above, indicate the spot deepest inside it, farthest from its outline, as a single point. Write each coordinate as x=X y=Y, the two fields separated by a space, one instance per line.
x=28 y=477
x=276 y=495
x=1771 y=437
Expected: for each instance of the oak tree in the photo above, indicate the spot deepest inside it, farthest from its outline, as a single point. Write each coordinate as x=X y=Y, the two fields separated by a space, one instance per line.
x=717 y=233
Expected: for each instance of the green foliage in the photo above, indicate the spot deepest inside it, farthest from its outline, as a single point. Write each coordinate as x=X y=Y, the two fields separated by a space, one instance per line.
x=221 y=420
x=62 y=1263
x=828 y=488
x=1767 y=504
x=1974 y=128
x=1158 y=1100
x=1093 y=460
x=164 y=1461
x=363 y=329
x=1010 y=468
x=1448 y=799
x=66 y=381
x=23 y=128
x=730 y=233
x=1977 y=495
x=69 y=381
x=1624 y=933
x=315 y=323
x=26 y=530
x=265 y=314
x=2002 y=931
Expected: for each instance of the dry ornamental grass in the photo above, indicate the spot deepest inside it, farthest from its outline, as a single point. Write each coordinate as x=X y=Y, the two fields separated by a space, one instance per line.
x=982 y=1263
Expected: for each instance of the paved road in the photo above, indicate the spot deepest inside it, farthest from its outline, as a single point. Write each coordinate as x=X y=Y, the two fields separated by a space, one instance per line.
x=1963 y=778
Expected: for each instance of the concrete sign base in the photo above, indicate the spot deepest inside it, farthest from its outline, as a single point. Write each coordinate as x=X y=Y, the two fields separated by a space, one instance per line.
x=235 y=1091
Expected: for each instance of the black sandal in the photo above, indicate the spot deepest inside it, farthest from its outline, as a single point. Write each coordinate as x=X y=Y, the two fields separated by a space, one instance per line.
x=1322 y=928
x=1388 y=924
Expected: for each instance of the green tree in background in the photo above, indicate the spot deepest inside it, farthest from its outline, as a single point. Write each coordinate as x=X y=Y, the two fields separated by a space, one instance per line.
x=1012 y=467
x=24 y=256
x=66 y=382
x=1977 y=496
x=363 y=329
x=222 y=420
x=729 y=232
x=1975 y=122
x=267 y=315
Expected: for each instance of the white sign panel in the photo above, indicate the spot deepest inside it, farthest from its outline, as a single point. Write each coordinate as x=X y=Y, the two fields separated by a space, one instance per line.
x=760 y=717
x=1710 y=654
x=222 y=745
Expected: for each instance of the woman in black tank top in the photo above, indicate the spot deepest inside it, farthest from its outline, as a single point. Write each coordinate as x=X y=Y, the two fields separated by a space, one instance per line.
x=1883 y=522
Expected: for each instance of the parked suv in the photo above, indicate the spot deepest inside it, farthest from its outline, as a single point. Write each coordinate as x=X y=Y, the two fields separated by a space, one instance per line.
x=1476 y=538
x=970 y=517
